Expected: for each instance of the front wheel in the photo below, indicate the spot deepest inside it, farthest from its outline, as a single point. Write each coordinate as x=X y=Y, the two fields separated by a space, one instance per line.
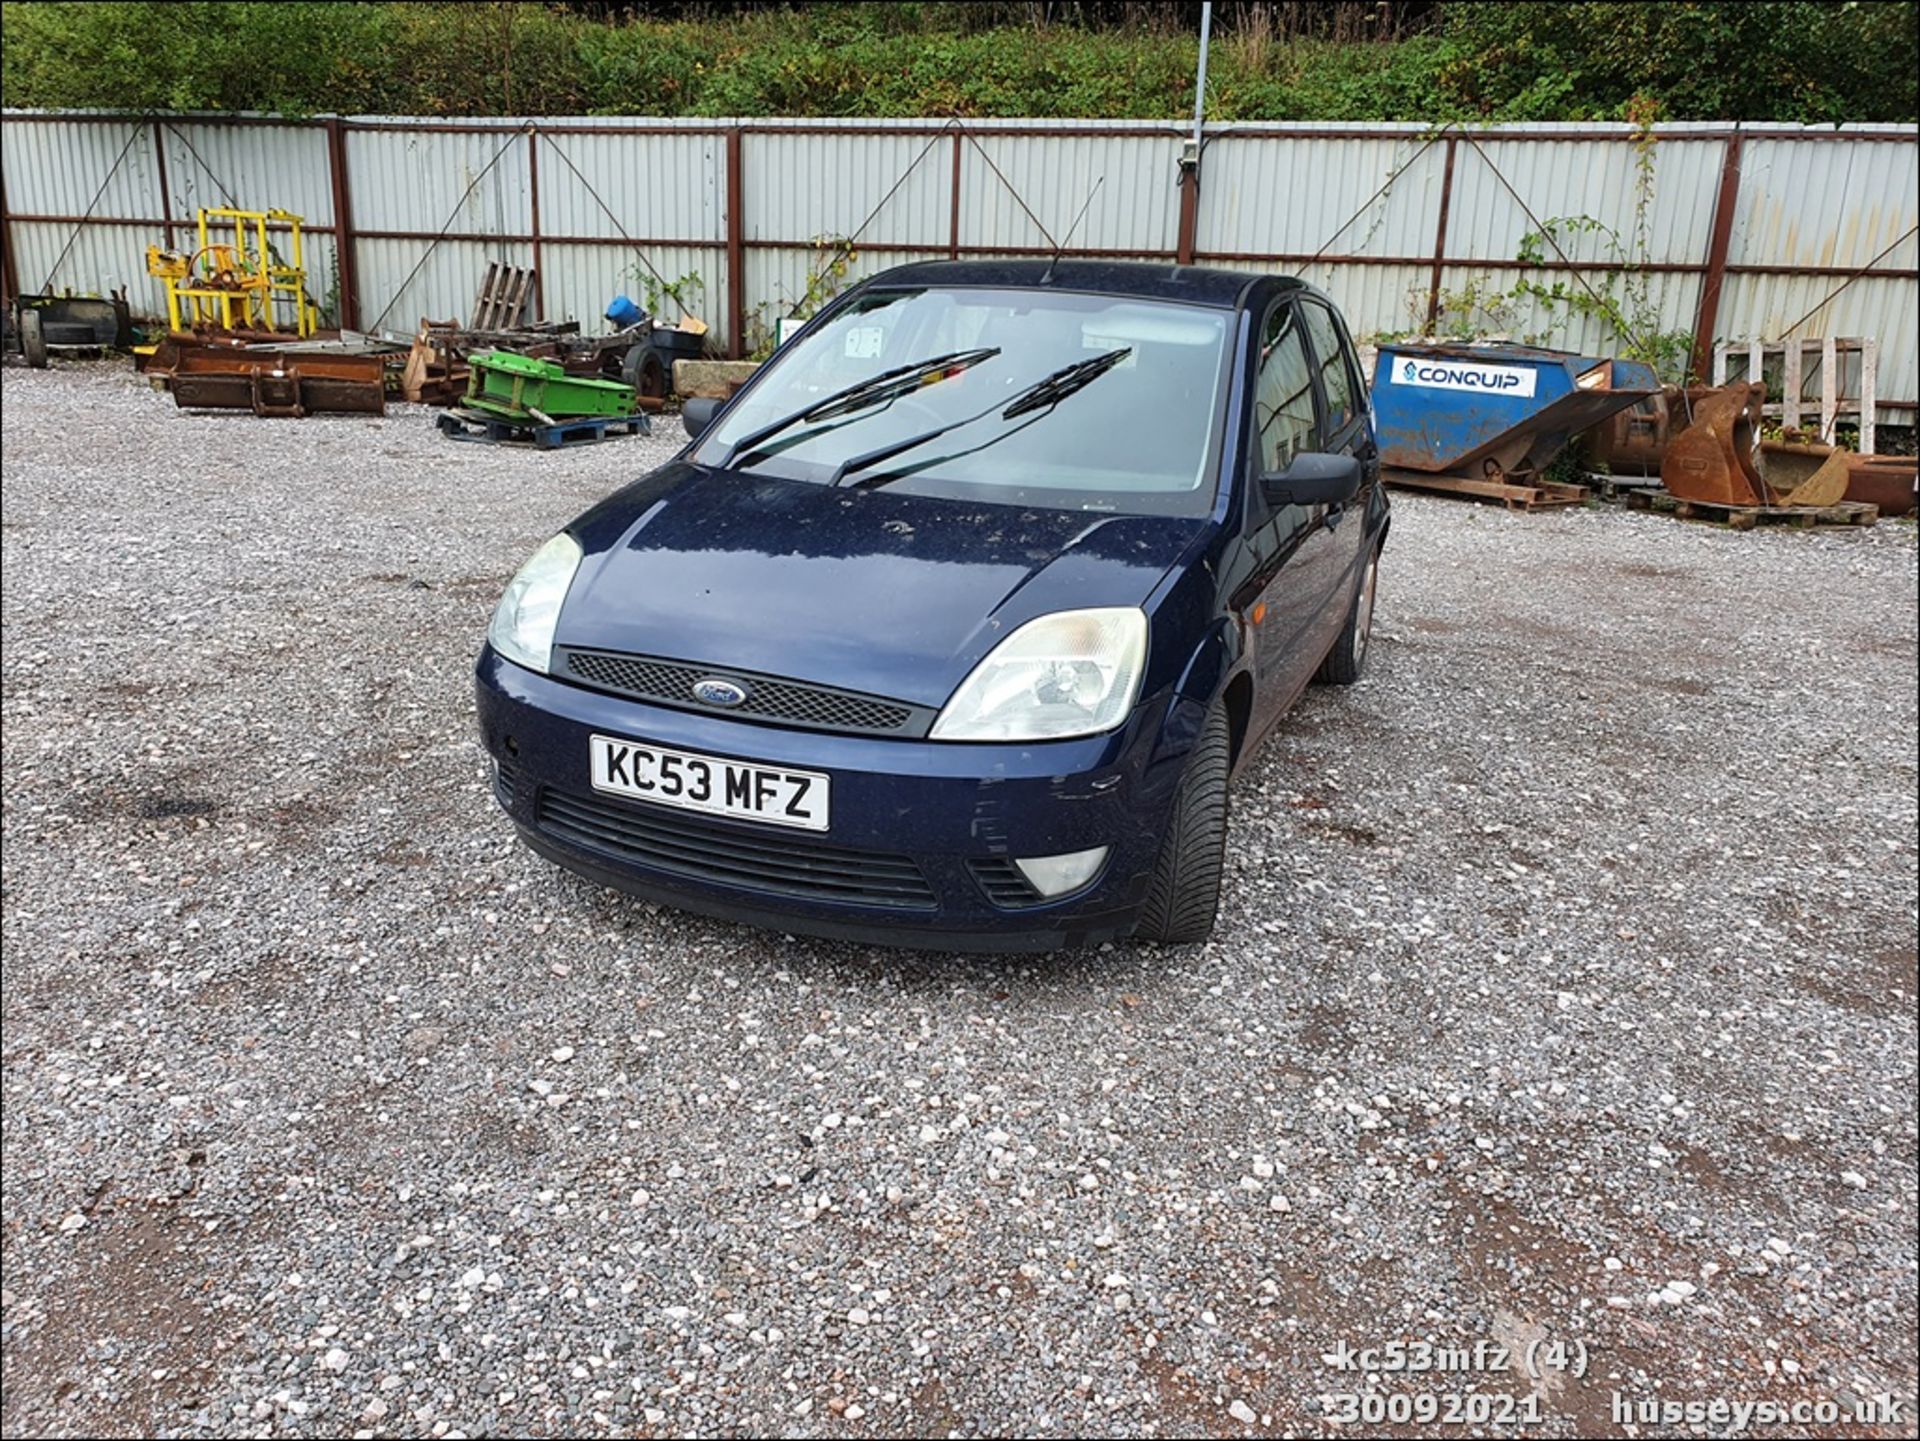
x=1184 y=898
x=1348 y=658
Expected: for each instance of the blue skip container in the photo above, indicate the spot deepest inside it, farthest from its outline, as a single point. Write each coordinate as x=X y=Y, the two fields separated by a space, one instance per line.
x=1493 y=412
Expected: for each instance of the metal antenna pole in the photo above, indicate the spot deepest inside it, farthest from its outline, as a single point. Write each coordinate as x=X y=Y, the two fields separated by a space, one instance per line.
x=1200 y=80
x=1189 y=167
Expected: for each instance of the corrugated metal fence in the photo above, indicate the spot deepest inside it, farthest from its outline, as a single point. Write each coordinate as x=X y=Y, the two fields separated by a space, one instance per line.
x=1734 y=232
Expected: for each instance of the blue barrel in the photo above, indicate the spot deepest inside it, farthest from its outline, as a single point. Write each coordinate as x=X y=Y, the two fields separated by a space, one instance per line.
x=1483 y=411
x=623 y=312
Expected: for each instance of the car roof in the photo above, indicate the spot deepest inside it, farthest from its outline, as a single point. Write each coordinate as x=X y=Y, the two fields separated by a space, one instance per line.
x=1140 y=280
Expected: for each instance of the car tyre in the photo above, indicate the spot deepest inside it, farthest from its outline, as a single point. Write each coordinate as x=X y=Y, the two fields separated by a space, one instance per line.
x=1184 y=898
x=1348 y=658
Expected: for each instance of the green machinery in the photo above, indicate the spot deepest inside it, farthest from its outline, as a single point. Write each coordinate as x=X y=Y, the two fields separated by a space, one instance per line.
x=539 y=392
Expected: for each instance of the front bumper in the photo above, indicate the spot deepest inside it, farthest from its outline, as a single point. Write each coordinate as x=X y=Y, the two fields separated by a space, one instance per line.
x=921 y=832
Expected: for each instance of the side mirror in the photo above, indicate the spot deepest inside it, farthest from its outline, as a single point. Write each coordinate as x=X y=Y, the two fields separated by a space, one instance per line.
x=1314 y=478
x=697 y=414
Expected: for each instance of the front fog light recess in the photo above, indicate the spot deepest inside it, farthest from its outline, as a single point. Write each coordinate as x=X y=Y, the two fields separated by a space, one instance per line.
x=1056 y=875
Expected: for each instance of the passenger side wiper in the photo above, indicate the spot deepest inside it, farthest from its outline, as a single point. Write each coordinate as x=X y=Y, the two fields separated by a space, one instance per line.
x=1043 y=394
x=1064 y=382
x=888 y=385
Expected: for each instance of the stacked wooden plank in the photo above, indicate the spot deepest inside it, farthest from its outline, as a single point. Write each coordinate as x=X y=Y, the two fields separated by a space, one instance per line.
x=502 y=302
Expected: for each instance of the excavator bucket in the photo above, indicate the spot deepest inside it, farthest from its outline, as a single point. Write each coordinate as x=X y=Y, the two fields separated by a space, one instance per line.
x=1712 y=459
x=1804 y=474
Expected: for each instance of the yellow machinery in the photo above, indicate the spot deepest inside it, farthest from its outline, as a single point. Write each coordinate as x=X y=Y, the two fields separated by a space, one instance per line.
x=237 y=285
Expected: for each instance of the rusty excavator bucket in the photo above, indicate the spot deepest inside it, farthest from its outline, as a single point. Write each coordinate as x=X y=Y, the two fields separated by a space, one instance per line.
x=1712 y=459
x=1804 y=474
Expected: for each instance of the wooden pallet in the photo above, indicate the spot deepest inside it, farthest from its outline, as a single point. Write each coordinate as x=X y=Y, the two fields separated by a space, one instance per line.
x=504 y=293
x=471 y=425
x=1533 y=495
x=1746 y=517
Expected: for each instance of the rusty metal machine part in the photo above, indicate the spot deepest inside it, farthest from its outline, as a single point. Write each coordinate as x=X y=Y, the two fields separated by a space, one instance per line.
x=1712 y=459
x=1799 y=474
x=273 y=384
x=1635 y=441
x=1883 y=480
x=1632 y=441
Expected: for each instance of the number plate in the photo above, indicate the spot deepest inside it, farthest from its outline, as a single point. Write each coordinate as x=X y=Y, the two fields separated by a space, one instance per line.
x=770 y=794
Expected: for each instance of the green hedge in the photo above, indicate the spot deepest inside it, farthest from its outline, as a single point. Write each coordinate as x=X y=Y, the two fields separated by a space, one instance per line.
x=1758 y=60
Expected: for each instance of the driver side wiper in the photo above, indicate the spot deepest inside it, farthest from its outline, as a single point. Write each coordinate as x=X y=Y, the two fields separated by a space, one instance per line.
x=1043 y=394
x=888 y=385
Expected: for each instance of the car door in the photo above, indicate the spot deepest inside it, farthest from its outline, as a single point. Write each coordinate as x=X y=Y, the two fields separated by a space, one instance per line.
x=1345 y=430
x=1296 y=559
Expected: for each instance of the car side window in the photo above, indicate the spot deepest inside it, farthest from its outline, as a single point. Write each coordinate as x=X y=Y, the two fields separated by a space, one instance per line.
x=1283 y=413
x=1337 y=379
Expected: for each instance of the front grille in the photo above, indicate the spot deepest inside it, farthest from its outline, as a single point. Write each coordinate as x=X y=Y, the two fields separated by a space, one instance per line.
x=503 y=784
x=701 y=849
x=1000 y=878
x=785 y=702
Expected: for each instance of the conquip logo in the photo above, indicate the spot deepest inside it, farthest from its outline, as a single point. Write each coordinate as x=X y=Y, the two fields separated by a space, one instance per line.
x=1464 y=375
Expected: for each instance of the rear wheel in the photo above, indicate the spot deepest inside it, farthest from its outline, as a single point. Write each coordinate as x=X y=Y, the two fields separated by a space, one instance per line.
x=1348 y=658
x=1184 y=897
x=645 y=372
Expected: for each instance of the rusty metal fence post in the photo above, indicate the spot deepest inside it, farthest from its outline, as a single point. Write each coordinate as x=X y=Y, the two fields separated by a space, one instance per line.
x=1440 y=240
x=8 y=277
x=736 y=250
x=533 y=223
x=160 y=177
x=1189 y=212
x=345 y=269
x=953 y=205
x=1723 y=207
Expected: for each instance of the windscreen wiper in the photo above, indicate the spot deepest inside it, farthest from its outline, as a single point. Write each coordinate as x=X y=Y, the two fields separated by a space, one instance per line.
x=1043 y=394
x=888 y=385
x=1055 y=388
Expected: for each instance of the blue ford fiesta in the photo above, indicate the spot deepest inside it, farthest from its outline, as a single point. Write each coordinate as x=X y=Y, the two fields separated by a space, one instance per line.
x=950 y=628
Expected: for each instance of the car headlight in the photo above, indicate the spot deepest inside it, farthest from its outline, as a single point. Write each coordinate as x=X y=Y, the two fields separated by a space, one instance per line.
x=524 y=621
x=1074 y=673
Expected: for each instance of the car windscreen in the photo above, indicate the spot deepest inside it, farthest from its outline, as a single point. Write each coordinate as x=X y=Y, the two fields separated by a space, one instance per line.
x=1139 y=436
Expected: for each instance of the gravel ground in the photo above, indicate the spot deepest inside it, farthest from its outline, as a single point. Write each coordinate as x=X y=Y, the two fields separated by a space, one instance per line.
x=1565 y=989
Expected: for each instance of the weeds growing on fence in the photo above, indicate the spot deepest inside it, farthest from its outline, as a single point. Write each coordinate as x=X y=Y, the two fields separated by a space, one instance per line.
x=1764 y=60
